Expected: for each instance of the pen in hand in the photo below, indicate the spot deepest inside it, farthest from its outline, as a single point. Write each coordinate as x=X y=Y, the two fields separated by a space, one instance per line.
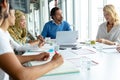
x=56 y=52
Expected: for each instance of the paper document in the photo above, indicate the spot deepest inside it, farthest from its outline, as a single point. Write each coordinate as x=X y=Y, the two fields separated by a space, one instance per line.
x=67 y=54
x=83 y=51
x=66 y=68
x=110 y=47
x=78 y=62
x=110 y=51
x=45 y=48
x=104 y=46
x=36 y=50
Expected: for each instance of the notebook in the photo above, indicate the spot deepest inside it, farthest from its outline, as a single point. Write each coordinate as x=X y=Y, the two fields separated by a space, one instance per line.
x=66 y=68
x=67 y=38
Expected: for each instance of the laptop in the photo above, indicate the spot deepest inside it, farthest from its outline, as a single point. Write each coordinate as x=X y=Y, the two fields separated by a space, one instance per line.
x=67 y=38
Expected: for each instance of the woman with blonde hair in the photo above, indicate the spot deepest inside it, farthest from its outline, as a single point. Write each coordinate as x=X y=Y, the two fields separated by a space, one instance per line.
x=109 y=31
x=19 y=30
x=19 y=33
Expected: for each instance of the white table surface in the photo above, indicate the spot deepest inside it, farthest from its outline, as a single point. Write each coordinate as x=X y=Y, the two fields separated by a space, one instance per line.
x=108 y=68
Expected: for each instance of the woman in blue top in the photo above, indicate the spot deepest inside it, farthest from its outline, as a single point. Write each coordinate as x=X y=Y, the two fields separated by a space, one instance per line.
x=57 y=24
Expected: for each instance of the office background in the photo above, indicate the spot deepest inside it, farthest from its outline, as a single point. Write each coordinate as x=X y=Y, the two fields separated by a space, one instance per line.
x=84 y=16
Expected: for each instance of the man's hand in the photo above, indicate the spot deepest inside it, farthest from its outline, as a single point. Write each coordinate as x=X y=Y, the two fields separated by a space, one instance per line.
x=40 y=38
x=41 y=41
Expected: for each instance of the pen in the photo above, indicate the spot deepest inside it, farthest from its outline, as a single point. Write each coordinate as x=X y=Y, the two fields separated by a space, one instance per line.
x=91 y=50
x=95 y=62
x=56 y=52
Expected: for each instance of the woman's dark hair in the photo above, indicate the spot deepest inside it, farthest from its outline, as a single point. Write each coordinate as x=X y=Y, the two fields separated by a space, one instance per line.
x=1 y=1
x=1 y=13
x=53 y=11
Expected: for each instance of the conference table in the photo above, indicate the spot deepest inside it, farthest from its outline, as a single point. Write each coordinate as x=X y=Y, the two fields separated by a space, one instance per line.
x=105 y=66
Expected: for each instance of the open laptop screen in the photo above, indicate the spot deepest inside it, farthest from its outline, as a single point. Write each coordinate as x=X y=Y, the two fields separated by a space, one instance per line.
x=66 y=37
